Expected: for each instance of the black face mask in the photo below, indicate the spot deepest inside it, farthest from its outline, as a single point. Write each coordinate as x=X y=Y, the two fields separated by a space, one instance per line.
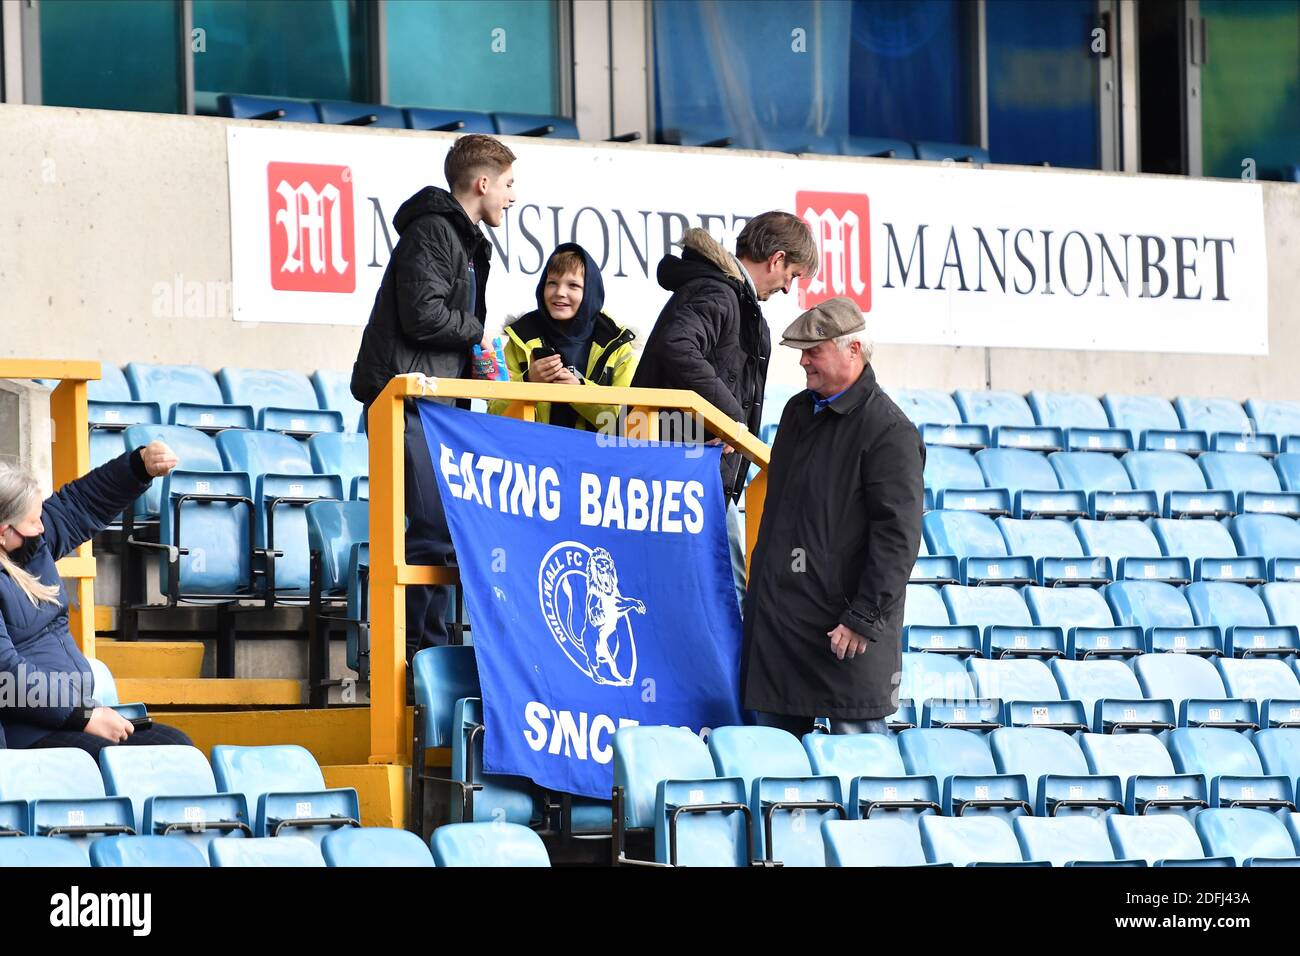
x=27 y=550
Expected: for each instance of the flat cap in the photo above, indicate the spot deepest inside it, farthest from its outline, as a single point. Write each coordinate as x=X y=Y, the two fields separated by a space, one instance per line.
x=824 y=321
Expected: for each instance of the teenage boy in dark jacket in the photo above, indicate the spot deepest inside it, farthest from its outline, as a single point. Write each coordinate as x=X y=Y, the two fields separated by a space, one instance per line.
x=428 y=314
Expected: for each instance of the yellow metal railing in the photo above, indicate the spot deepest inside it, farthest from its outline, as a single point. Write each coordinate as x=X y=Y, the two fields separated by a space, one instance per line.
x=390 y=574
x=70 y=458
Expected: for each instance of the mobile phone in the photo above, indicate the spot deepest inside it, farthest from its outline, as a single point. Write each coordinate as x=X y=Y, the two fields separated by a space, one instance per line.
x=141 y=723
x=545 y=351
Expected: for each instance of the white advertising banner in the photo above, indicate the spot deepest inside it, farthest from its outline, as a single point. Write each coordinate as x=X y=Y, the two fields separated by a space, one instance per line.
x=935 y=255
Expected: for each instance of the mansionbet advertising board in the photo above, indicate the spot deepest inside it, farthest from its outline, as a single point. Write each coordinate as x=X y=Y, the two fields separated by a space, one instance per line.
x=935 y=255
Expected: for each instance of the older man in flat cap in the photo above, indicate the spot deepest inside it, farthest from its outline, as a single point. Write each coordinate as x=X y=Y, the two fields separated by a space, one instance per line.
x=840 y=531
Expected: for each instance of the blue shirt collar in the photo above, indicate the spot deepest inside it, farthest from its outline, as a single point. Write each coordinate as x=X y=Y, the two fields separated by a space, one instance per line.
x=820 y=403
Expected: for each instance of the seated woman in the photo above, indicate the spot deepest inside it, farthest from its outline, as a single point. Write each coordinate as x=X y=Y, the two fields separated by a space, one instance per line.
x=586 y=346
x=50 y=702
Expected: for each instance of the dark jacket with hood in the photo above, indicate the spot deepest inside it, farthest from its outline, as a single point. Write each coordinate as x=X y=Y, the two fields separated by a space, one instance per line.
x=37 y=652
x=710 y=338
x=430 y=307
x=591 y=342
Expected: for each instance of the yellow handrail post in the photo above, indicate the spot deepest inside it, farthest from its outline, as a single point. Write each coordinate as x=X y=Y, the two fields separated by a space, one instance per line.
x=385 y=426
x=69 y=458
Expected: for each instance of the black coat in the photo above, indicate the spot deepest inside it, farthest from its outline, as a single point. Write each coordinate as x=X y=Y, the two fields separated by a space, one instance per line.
x=711 y=338
x=422 y=320
x=840 y=532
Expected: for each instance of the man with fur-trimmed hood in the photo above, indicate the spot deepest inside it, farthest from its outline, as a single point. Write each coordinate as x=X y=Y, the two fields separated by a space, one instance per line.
x=712 y=338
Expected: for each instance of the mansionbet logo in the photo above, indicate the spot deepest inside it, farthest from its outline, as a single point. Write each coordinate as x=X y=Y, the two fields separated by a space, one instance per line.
x=312 y=248
x=841 y=227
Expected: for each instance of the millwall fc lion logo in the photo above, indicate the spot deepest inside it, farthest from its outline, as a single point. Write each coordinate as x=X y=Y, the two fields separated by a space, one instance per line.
x=586 y=614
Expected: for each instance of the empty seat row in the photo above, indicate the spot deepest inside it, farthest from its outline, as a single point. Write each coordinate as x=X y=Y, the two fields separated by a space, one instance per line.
x=1227 y=837
x=1248 y=549
x=273 y=399
x=1104 y=691
x=1135 y=414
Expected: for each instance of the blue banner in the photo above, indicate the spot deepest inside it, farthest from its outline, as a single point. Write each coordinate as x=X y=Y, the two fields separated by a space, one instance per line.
x=598 y=583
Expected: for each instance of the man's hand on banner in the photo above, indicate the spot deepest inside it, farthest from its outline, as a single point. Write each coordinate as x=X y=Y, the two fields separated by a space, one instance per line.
x=846 y=643
x=726 y=449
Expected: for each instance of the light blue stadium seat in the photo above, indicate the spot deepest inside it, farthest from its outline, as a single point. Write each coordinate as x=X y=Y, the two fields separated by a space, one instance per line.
x=334 y=392
x=1111 y=696
x=788 y=802
x=1148 y=604
x=1195 y=687
x=927 y=626
x=1245 y=835
x=932 y=677
x=347 y=456
x=284 y=400
x=259 y=453
x=30 y=851
x=871 y=772
x=338 y=113
x=1029 y=693
x=1067 y=410
x=992 y=408
x=111 y=406
x=488 y=844
x=1272 y=537
x=186 y=395
x=1194 y=538
x=294 y=851
x=963 y=841
x=534 y=124
x=496 y=796
x=887 y=841
x=195 y=450
x=1140 y=413
x=1133 y=552
x=241 y=106
x=1006 y=628
x=1179 y=484
x=951 y=468
x=1158 y=838
x=1236 y=472
x=1056 y=771
x=1040 y=538
x=64 y=794
x=1279 y=752
x=1240 y=614
x=1089 y=471
x=1065 y=841
x=957 y=152
x=375 y=847
x=1282 y=599
x=285 y=784
x=1016 y=469
x=1143 y=765
x=1274 y=417
x=961 y=762
x=926 y=406
x=448 y=121
x=217 y=534
x=154 y=851
x=1230 y=762
x=1273 y=685
x=962 y=533
x=13 y=818
x=339 y=533
x=1083 y=616
x=1288 y=470
x=360 y=489
x=658 y=770
x=173 y=792
x=105 y=445
x=1211 y=414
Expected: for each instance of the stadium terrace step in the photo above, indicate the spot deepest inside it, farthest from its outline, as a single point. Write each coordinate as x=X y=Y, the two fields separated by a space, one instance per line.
x=208 y=692
x=152 y=659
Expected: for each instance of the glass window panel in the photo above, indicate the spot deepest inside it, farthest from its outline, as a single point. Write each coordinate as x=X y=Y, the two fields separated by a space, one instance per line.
x=492 y=55
x=912 y=70
x=308 y=49
x=112 y=55
x=1043 y=82
x=1250 y=87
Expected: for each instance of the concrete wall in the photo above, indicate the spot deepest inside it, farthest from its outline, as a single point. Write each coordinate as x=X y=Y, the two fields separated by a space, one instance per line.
x=102 y=207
